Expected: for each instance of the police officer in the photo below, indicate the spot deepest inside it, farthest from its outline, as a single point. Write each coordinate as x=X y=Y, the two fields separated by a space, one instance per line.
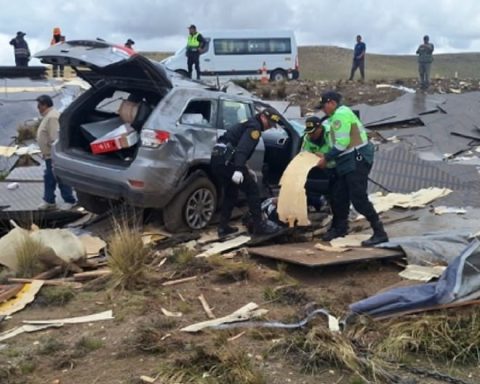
x=229 y=162
x=316 y=140
x=353 y=154
x=21 y=50
x=195 y=45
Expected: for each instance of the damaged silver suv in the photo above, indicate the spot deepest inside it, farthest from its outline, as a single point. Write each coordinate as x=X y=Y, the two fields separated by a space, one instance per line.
x=176 y=123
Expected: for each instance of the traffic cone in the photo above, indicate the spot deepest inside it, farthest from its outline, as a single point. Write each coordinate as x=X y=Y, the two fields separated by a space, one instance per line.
x=264 y=75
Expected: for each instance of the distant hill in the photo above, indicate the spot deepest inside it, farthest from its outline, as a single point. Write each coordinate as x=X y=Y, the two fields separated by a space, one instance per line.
x=334 y=63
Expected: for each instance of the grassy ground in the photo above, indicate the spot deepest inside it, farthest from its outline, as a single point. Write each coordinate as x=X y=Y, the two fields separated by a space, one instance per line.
x=334 y=63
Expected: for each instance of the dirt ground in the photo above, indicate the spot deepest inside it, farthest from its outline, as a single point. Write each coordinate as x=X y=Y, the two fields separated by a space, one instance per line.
x=143 y=341
x=307 y=93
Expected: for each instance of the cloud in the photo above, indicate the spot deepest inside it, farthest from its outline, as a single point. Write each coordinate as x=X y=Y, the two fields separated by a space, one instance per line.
x=394 y=27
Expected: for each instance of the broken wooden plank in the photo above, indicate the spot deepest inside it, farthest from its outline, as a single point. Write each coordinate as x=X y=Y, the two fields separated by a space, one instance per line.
x=66 y=282
x=179 y=281
x=306 y=254
x=26 y=329
x=206 y=307
x=220 y=247
x=168 y=313
x=106 y=315
x=233 y=338
x=90 y=275
x=10 y=292
x=49 y=274
x=148 y=379
x=247 y=312
x=24 y=297
x=292 y=199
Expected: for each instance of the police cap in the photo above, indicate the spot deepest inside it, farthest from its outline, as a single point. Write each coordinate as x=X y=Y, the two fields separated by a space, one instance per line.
x=271 y=114
x=312 y=123
x=329 y=96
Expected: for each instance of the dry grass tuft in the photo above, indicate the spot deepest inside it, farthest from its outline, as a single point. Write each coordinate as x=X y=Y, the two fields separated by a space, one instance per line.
x=186 y=264
x=55 y=296
x=320 y=348
x=229 y=270
x=127 y=257
x=29 y=252
x=288 y=294
x=449 y=337
x=149 y=337
x=224 y=365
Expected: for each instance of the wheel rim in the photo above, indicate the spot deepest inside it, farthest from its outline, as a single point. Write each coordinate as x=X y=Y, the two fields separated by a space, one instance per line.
x=199 y=208
x=278 y=76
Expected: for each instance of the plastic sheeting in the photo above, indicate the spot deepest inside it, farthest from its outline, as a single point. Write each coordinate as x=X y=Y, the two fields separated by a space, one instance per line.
x=432 y=248
x=460 y=279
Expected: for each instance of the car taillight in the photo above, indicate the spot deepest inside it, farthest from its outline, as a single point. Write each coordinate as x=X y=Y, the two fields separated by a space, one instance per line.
x=296 y=63
x=154 y=138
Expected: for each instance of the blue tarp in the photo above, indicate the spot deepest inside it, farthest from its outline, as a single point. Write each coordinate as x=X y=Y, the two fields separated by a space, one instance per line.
x=460 y=279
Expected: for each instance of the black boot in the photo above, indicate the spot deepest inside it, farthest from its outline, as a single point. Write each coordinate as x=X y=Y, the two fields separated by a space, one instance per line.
x=225 y=230
x=335 y=230
x=379 y=235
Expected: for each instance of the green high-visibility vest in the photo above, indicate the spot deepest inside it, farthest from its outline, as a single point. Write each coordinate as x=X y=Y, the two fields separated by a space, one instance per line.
x=346 y=130
x=192 y=41
x=311 y=147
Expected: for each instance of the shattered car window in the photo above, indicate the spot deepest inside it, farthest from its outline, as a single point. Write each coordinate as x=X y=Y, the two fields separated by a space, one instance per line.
x=234 y=112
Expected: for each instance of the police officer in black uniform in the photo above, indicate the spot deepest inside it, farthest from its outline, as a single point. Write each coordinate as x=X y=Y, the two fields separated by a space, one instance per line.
x=229 y=162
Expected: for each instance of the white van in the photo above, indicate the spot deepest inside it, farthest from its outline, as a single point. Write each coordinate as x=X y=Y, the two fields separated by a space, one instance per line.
x=240 y=54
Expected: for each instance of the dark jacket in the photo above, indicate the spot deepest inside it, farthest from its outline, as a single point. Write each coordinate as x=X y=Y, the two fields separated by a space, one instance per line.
x=20 y=47
x=244 y=137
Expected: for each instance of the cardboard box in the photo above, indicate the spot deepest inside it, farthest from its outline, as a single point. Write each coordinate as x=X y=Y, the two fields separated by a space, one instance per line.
x=122 y=137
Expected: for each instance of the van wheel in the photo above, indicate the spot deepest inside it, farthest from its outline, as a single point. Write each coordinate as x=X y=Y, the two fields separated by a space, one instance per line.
x=278 y=75
x=193 y=208
x=182 y=72
x=94 y=204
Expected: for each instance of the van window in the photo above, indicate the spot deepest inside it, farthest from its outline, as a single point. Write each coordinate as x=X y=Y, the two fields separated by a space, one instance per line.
x=234 y=112
x=199 y=112
x=252 y=46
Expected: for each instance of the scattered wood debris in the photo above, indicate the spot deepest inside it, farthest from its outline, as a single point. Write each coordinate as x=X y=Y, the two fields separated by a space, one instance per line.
x=247 y=312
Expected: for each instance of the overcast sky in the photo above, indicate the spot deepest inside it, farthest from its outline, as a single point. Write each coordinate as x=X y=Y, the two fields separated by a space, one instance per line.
x=389 y=27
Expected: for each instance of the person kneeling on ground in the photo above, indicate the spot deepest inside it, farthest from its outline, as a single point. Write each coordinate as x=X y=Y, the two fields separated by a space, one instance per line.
x=46 y=135
x=229 y=162
x=353 y=155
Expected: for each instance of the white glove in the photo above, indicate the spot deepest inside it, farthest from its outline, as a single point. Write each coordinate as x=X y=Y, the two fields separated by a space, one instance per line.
x=237 y=177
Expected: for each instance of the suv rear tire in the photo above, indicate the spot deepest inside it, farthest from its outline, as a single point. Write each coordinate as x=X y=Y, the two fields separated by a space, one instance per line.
x=94 y=204
x=192 y=208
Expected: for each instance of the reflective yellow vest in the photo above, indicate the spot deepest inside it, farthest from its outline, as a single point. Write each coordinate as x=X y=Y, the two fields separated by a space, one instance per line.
x=192 y=41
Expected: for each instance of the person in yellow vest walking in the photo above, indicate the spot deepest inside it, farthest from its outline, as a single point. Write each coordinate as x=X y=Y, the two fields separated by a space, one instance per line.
x=195 y=46
x=353 y=155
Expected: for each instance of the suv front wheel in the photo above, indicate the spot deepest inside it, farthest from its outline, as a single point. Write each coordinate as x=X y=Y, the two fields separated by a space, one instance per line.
x=193 y=207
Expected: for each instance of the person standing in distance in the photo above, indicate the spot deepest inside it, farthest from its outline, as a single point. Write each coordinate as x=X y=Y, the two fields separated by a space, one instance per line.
x=358 y=58
x=229 y=162
x=195 y=46
x=425 y=60
x=20 y=50
x=57 y=38
x=353 y=155
x=129 y=44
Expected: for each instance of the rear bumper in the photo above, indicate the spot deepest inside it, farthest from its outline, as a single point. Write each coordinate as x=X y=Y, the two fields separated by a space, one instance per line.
x=159 y=181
